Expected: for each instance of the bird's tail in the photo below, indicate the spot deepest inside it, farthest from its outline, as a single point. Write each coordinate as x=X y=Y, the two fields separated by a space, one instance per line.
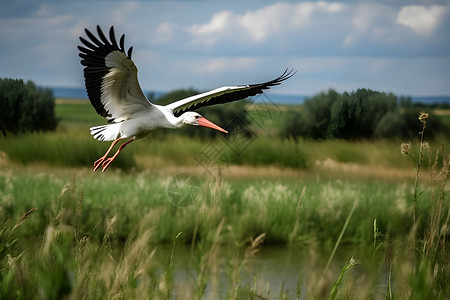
x=108 y=132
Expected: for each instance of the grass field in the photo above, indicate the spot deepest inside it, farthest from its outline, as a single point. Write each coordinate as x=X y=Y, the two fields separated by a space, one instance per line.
x=354 y=209
x=71 y=145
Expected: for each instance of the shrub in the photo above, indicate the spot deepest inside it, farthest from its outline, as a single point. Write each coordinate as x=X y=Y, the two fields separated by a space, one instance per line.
x=314 y=119
x=390 y=125
x=25 y=107
x=355 y=115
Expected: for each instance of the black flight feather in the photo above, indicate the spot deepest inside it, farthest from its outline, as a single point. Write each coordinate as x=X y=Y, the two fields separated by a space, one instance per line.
x=234 y=95
x=93 y=55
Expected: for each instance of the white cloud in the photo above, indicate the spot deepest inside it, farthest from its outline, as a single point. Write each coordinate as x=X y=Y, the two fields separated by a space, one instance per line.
x=261 y=24
x=220 y=22
x=421 y=19
x=265 y=21
x=370 y=21
x=164 y=32
x=122 y=14
x=44 y=11
x=367 y=15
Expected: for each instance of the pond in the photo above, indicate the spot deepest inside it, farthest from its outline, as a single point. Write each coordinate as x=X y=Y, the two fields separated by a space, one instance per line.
x=274 y=272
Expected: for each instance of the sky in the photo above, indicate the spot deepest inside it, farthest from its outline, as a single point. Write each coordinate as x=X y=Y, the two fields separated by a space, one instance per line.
x=394 y=46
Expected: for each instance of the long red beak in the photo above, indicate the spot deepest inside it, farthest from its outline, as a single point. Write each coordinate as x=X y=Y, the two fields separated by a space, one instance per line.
x=203 y=122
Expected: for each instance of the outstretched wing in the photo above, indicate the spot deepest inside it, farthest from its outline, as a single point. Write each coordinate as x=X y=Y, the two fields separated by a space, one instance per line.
x=111 y=77
x=226 y=94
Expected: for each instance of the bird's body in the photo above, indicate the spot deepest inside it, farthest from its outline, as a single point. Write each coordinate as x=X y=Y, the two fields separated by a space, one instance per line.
x=114 y=91
x=138 y=126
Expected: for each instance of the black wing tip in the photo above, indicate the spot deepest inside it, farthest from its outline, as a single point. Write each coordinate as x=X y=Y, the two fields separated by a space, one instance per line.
x=95 y=46
x=288 y=73
x=94 y=42
x=130 y=50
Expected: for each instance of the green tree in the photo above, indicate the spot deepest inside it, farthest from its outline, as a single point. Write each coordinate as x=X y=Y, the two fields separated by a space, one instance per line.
x=26 y=107
x=355 y=115
x=314 y=118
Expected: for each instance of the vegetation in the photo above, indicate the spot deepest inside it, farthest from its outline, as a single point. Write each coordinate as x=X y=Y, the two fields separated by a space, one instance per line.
x=370 y=222
x=357 y=115
x=71 y=145
x=25 y=107
x=94 y=236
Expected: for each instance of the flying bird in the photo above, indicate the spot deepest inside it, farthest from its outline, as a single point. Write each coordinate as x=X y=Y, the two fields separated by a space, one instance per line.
x=113 y=89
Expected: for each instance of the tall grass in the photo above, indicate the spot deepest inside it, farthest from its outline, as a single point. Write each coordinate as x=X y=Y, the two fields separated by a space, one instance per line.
x=252 y=206
x=110 y=228
x=75 y=147
x=59 y=149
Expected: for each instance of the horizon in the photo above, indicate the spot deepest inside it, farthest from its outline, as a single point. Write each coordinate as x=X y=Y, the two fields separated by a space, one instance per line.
x=279 y=97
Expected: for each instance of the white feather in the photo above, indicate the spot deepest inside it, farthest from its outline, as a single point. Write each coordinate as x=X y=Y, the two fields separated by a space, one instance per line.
x=121 y=95
x=108 y=132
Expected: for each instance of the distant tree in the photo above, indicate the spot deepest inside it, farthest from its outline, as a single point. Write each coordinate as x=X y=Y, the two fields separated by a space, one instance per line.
x=391 y=124
x=405 y=101
x=314 y=118
x=221 y=114
x=25 y=107
x=355 y=115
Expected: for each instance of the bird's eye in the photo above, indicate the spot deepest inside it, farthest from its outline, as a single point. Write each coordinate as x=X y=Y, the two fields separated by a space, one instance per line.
x=197 y=117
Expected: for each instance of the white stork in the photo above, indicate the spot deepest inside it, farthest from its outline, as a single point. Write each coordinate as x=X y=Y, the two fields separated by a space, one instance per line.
x=113 y=89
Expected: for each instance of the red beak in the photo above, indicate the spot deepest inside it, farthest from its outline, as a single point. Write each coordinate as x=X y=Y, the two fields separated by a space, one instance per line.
x=203 y=122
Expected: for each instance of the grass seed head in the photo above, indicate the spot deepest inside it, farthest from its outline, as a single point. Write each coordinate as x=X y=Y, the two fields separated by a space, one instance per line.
x=423 y=117
x=22 y=219
x=405 y=147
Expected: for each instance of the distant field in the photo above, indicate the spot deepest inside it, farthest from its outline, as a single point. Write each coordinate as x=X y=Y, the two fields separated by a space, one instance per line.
x=76 y=112
x=71 y=145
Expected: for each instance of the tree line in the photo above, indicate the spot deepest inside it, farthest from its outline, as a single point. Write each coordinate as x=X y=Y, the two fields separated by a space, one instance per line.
x=361 y=114
x=25 y=107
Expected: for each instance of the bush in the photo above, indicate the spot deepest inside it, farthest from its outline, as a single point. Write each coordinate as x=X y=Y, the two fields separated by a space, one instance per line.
x=313 y=120
x=361 y=114
x=356 y=115
x=25 y=107
x=390 y=125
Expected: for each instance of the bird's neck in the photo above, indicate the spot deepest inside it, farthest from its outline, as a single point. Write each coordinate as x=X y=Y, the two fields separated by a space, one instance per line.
x=172 y=120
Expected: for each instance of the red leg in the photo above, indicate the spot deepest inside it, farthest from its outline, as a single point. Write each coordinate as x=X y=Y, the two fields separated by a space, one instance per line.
x=99 y=161
x=109 y=160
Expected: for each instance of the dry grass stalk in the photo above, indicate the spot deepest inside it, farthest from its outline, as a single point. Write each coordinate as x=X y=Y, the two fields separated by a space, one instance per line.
x=254 y=246
x=423 y=118
x=23 y=218
x=439 y=178
x=297 y=217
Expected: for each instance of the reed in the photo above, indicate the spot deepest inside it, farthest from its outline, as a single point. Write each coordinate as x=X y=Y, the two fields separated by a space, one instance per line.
x=78 y=240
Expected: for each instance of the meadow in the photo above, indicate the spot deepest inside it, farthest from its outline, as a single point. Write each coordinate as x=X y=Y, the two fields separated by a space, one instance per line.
x=347 y=220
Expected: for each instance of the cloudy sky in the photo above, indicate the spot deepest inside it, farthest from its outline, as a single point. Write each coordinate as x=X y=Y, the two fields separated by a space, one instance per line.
x=394 y=46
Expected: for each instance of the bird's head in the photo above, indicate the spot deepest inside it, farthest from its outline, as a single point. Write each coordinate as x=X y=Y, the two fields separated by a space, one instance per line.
x=193 y=118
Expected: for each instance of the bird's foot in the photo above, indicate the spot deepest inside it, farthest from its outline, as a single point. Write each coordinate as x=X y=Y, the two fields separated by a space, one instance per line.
x=106 y=163
x=99 y=162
